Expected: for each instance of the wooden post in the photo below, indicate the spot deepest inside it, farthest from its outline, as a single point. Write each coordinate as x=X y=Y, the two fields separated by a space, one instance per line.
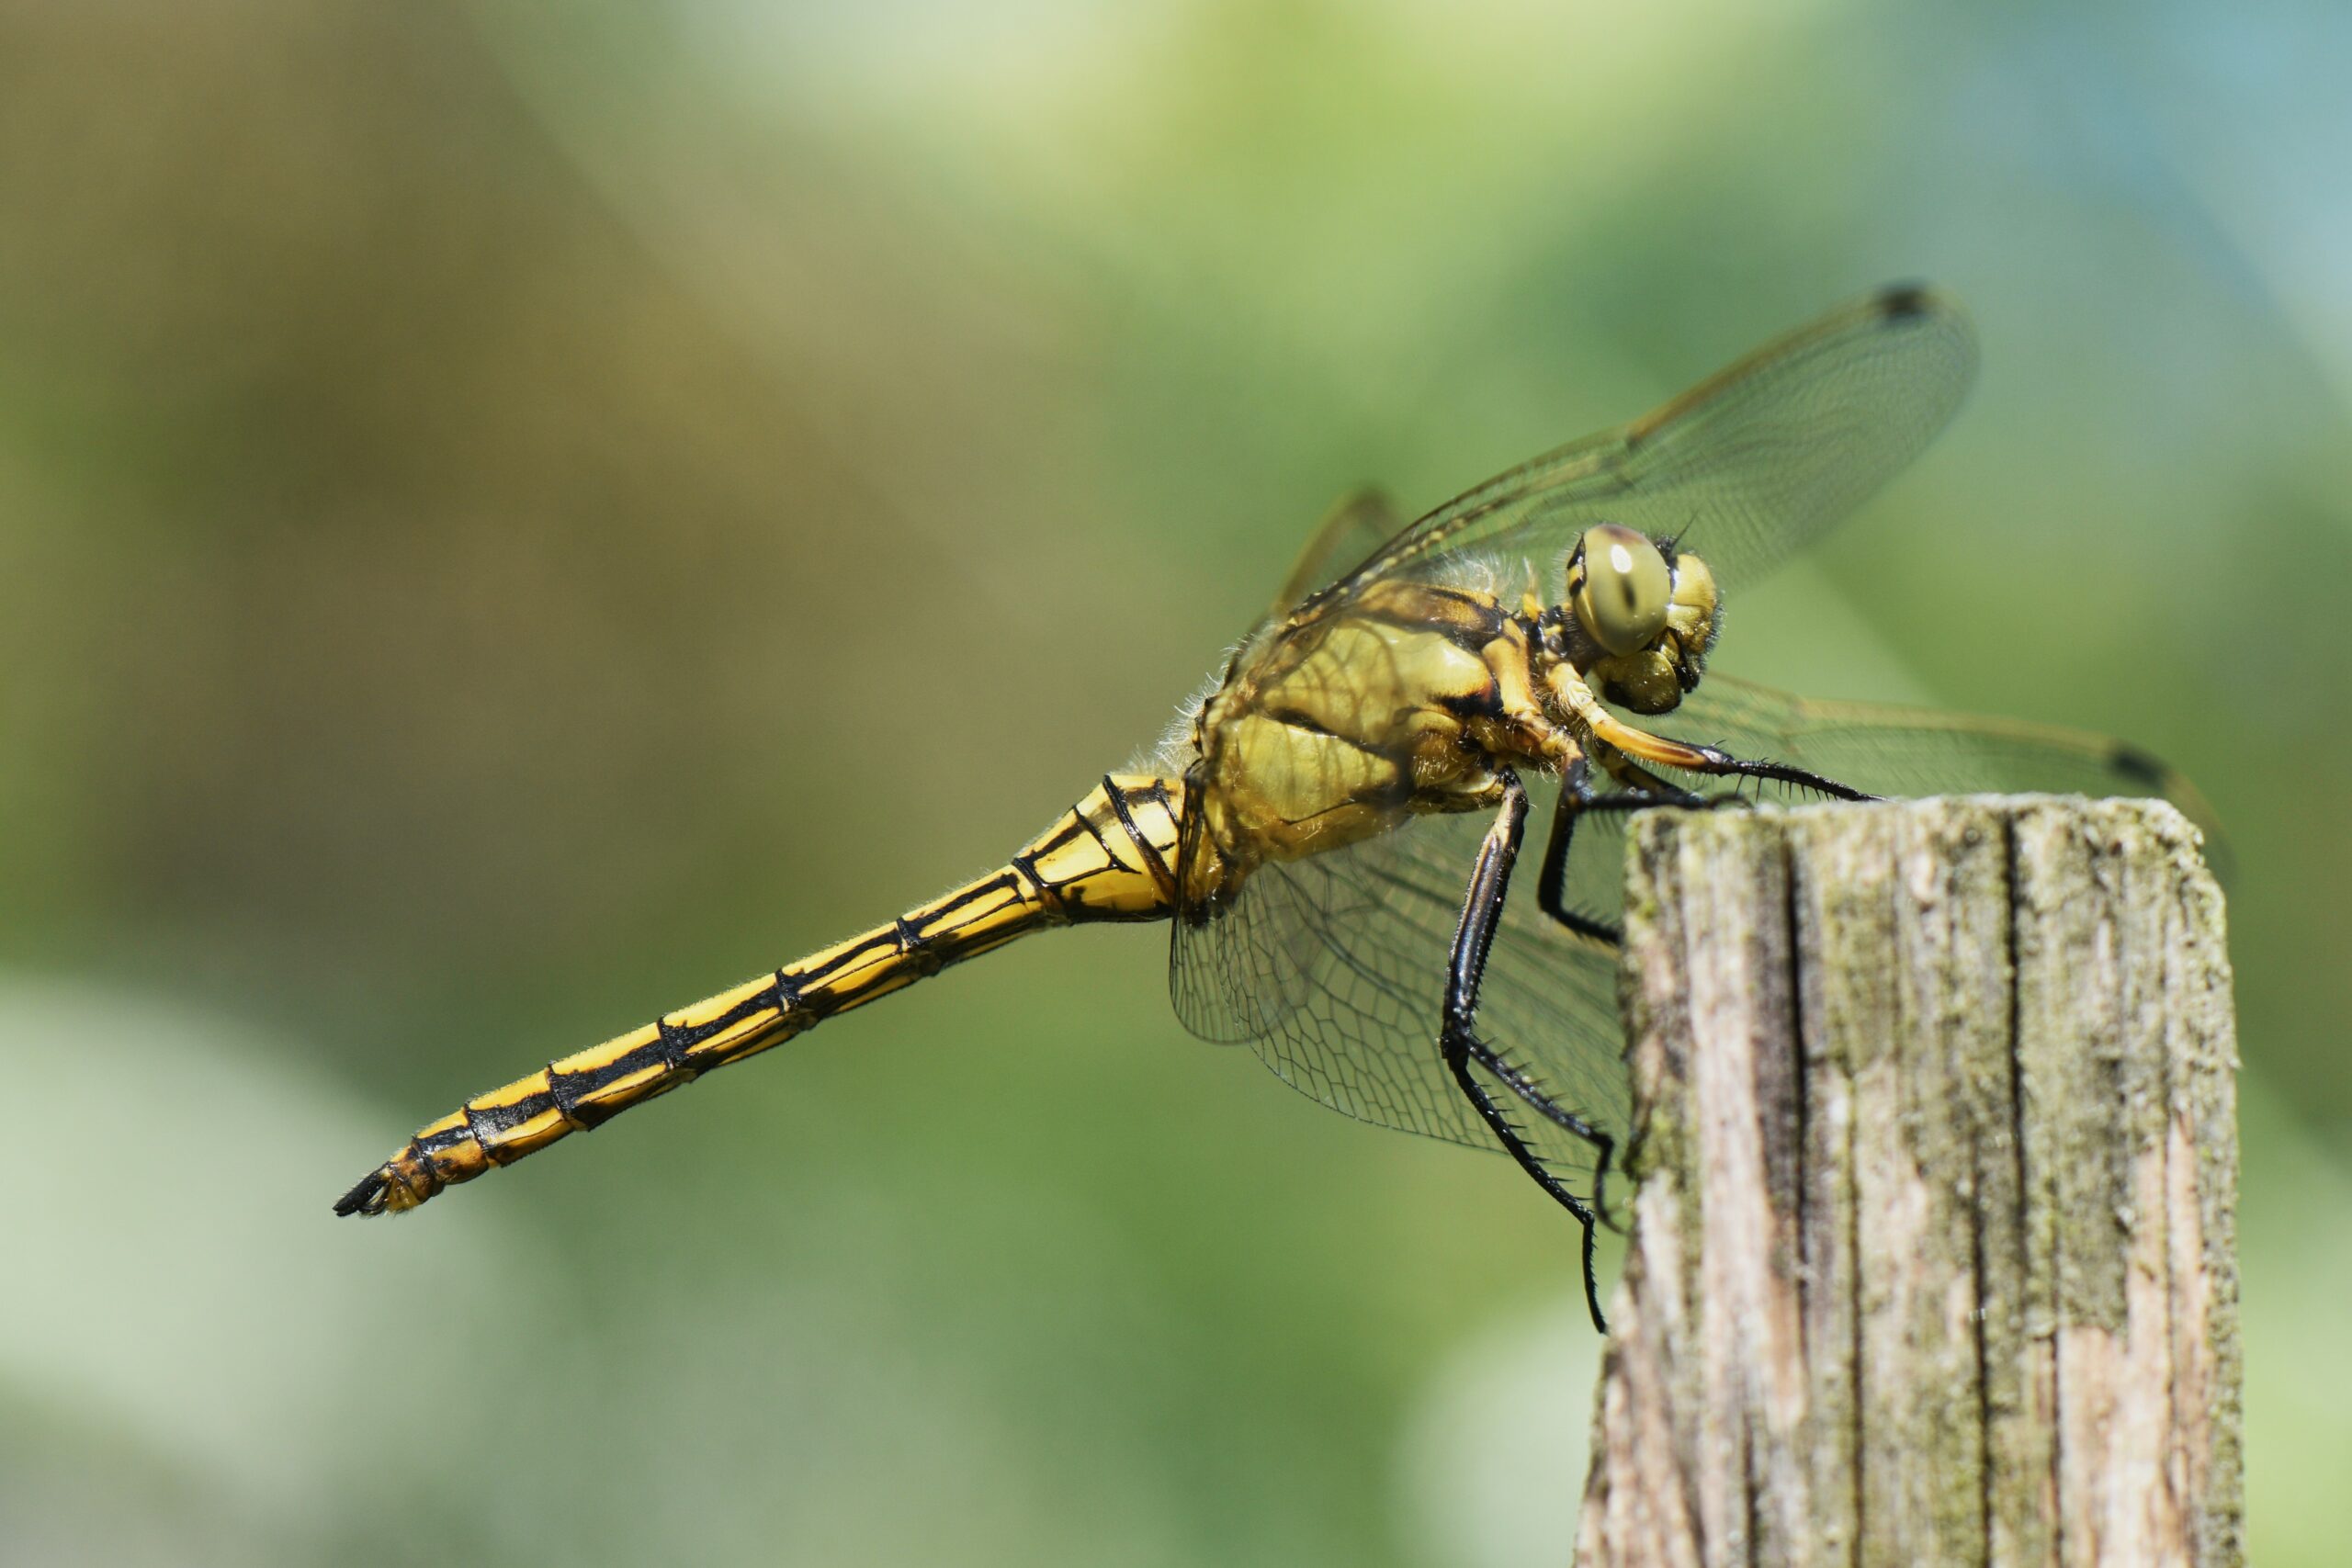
x=1932 y=1258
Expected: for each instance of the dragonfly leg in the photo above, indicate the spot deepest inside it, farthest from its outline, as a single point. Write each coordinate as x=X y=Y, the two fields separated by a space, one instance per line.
x=1551 y=882
x=1646 y=791
x=1579 y=796
x=1458 y=1040
x=1715 y=761
x=1606 y=729
x=1603 y=1145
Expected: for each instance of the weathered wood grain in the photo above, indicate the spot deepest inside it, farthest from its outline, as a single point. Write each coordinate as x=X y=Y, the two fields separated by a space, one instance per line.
x=1932 y=1257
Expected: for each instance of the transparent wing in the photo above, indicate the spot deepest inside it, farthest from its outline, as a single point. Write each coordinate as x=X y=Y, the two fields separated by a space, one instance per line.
x=1358 y=524
x=1747 y=467
x=1334 y=968
x=1888 y=749
x=1882 y=748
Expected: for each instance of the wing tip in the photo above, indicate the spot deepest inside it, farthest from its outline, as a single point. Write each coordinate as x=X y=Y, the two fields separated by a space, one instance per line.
x=2161 y=779
x=2140 y=767
x=1914 y=300
x=1902 y=302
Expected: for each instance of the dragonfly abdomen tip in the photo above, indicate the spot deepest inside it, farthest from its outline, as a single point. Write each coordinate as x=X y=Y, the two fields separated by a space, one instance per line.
x=366 y=1198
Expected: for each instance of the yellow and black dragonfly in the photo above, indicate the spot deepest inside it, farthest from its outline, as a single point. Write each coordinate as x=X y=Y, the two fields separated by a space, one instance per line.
x=1332 y=827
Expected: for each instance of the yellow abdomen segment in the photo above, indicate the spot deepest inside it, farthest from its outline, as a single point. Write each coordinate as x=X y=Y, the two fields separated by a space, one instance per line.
x=1110 y=857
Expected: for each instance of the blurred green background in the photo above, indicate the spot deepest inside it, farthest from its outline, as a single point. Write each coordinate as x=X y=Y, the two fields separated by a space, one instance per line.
x=513 y=517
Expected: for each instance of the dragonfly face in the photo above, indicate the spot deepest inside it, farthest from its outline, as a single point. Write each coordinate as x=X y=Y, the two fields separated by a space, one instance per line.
x=1334 y=828
x=1638 y=618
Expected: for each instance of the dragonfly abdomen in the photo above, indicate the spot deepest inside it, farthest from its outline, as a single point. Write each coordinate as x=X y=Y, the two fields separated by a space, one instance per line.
x=1110 y=857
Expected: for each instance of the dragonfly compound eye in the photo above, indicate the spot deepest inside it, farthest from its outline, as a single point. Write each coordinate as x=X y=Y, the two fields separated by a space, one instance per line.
x=1621 y=588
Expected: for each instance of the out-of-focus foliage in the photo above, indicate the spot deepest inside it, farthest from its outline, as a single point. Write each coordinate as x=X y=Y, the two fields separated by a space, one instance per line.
x=514 y=516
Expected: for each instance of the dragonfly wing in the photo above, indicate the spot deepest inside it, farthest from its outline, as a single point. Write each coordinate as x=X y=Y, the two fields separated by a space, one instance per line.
x=1881 y=748
x=1745 y=468
x=1333 y=967
x=1351 y=533
x=1888 y=749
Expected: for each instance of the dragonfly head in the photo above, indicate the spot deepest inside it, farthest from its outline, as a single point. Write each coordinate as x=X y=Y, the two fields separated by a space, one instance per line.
x=1640 y=615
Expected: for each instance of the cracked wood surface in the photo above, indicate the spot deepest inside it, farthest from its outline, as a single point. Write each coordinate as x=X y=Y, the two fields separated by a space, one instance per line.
x=1932 y=1256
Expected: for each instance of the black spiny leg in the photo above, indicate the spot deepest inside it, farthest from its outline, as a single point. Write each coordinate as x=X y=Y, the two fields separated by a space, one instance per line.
x=1457 y=1038
x=1641 y=790
x=1644 y=790
x=1550 y=884
x=1714 y=759
x=1577 y=797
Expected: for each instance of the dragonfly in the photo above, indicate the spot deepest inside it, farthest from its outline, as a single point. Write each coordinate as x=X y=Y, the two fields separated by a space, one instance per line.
x=1332 y=827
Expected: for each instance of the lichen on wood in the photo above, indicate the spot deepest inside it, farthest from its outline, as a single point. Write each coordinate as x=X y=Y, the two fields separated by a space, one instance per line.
x=1931 y=1258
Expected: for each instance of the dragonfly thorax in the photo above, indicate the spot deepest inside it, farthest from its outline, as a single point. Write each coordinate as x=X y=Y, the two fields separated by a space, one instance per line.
x=1358 y=712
